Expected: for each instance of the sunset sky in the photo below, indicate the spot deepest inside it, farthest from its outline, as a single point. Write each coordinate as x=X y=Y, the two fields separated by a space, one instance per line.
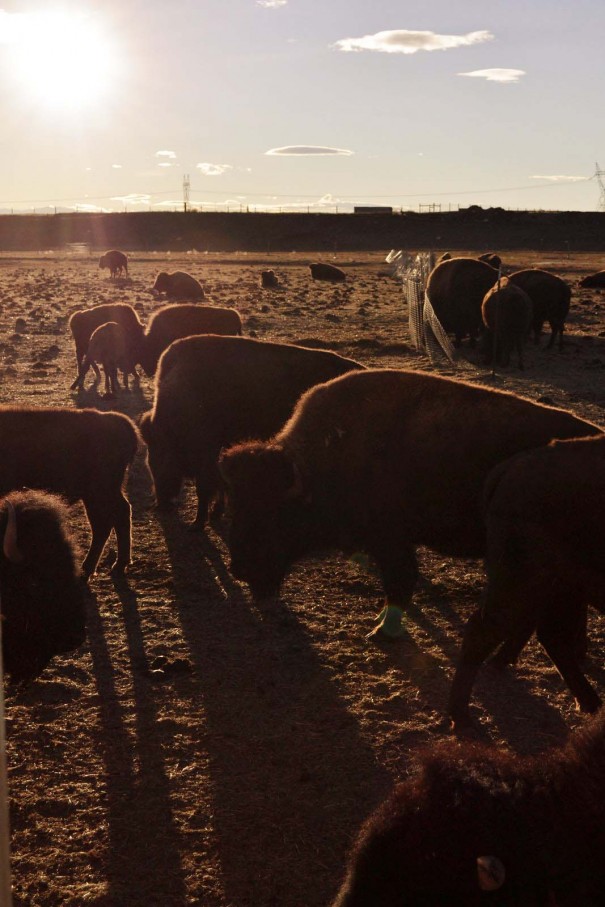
x=302 y=103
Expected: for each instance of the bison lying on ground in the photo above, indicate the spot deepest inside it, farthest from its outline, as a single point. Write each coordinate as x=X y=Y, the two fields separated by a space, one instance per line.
x=322 y=271
x=174 y=322
x=178 y=285
x=108 y=347
x=507 y=312
x=84 y=322
x=545 y=561
x=116 y=261
x=478 y=825
x=82 y=454
x=456 y=289
x=596 y=280
x=379 y=461
x=42 y=596
x=213 y=391
x=550 y=296
x=268 y=279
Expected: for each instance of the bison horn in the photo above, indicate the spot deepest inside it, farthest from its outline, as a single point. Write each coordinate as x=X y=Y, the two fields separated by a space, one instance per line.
x=10 y=546
x=490 y=873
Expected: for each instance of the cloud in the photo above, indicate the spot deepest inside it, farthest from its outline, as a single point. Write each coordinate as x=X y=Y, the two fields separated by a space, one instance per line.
x=271 y=4
x=116 y=166
x=560 y=178
x=133 y=198
x=165 y=164
x=214 y=169
x=402 y=41
x=496 y=75
x=170 y=154
x=300 y=150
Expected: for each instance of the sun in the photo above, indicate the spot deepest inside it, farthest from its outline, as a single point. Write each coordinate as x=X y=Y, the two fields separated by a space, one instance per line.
x=65 y=60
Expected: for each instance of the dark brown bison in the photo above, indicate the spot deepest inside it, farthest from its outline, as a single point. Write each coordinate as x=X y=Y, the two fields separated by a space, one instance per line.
x=178 y=285
x=116 y=261
x=174 y=322
x=477 y=825
x=268 y=280
x=456 y=289
x=545 y=542
x=507 y=313
x=213 y=391
x=550 y=296
x=107 y=346
x=322 y=271
x=595 y=281
x=41 y=594
x=379 y=461
x=84 y=322
x=446 y=256
x=81 y=454
x=491 y=258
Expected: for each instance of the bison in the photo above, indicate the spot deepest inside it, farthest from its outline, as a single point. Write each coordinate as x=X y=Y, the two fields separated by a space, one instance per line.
x=84 y=322
x=506 y=311
x=174 y=322
x=456 y=289
x=545 y=541
x=116 y=261
x=595 y=281
x=492 y=259
x=81 y=454
x=212 y=391
x=42 y=596
x=550 y=296
x=379 y=461
x=108 y=346
x=178 y=285
x=269 y=280
x=322 y=271
x=478 y=825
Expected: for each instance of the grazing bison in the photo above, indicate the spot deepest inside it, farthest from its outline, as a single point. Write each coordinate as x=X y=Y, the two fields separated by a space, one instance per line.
x=116 y=261
x=41 y=594
x=545 y=542
x=322 y=271
x=492 y=259
x=550 y=296
x=506 y=312
x=109 y=347
x=213 y=391
x=174 y=322
x=380 y=461
x=178 y=285
x=595 y=281
x=456 y=289
x=84 y=322
x=268 y=280
x=478 y=825
x=445 y=257
x=81 y=454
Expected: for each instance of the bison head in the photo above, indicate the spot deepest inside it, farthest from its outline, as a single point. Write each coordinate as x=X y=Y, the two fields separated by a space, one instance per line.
x=163 y=283
x=268 y=515
x=42 y=594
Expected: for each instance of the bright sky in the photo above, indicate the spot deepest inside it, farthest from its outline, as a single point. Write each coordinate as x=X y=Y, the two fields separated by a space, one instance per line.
x=302 y=103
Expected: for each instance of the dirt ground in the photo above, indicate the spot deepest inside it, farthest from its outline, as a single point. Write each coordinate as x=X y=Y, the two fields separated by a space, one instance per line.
x=199 y=749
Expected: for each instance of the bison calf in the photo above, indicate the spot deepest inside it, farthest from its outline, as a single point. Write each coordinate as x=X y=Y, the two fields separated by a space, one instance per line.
x=116 y=261
x=178 y=285
x=478 y=825
x=595 y=281
x=108 y=346
x=506 y=312
x=84 y=322
x=173 y=322
x=82 y=454
x=42 y=597
x=545 y=542
x=550 y=296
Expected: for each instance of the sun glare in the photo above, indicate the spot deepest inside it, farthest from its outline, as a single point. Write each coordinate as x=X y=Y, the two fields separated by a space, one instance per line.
x=64 y=60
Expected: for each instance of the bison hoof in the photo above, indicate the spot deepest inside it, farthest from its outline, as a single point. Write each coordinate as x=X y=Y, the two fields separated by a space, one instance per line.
x=390 y=624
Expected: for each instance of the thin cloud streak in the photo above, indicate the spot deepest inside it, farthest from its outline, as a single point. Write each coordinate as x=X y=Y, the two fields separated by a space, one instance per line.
x=496 y=75
x=403 y=41
x=560 y=178
x=302 y=150
x=271 y=4
x=213 y=169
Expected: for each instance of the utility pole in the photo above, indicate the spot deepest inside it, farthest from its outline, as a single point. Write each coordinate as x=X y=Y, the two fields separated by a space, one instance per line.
x=599 y=175
x=186 y=185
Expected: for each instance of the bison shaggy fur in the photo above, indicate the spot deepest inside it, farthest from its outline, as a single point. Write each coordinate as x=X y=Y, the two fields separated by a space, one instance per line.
x=595 y=281
x=81 y=454
x=379 y=461
x=456 y=289
x=478 y=825
x=322 y=271
x=173 y=322
x=178 y=285
x=116 y=261
x=42 y=596
x=213 y=391
x=506 y=312
x=84 y=322
x=545 y=542
x=550 y=296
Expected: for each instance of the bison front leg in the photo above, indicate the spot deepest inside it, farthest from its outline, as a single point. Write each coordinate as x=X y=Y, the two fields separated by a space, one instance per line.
x=399 y=573
x=105 y=515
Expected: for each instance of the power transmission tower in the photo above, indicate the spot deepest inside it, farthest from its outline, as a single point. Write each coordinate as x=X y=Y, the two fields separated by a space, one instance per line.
x=186 y=185
x=599 y=175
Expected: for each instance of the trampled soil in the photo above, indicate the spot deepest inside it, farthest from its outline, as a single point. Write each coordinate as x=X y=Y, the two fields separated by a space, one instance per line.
x=199 y=749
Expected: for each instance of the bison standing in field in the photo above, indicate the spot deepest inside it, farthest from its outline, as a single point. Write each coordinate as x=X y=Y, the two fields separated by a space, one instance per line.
x=212 y=391
x=506 y=312
x=595 y=281
x=544 y=512
x=379 y=461
x=269 y=280
x=116 y=261
x=456 y=289
x=173 y=322
x=81 y=454
x=478 y=825
x=41 y=594
x=178 y=285
x=550 y=296
x=108 y=346
x=322 y=271
x=84 y=322
x=492 y=259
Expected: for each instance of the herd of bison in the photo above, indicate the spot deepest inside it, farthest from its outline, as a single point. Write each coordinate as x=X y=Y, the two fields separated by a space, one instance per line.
x=220 y=667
